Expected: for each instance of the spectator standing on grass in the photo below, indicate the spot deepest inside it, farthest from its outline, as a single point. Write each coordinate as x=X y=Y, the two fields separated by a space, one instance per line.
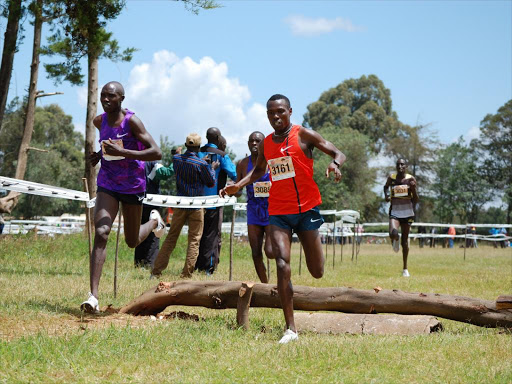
x=451 y=232
x=433 y=232
x=125 y=146
x=192 y=175
x=209 y=248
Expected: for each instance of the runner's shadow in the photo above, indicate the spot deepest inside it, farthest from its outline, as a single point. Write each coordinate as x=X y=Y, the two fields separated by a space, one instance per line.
x=73 y=311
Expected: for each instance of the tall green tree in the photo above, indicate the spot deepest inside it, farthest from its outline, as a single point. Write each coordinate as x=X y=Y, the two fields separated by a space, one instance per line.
x=496 y=142
x=355 y=189
x=418 y=145
x=363 y=105
x=56 y=158
x=460 y=189
x=40 y=9
x=13 y=10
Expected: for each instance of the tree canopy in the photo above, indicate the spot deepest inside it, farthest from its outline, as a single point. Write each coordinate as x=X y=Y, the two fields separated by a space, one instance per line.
x=496 y=141
x=56 y=160
x=363 y=105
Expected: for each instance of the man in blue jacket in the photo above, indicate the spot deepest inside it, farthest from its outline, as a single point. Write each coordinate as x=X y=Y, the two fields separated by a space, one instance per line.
x=209 y=249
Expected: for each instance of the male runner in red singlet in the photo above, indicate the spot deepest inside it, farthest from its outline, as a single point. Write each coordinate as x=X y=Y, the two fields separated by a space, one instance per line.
x=294 y=196
x=404 y=197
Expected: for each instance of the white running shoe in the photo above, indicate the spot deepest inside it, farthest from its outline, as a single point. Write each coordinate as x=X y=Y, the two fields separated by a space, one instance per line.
x=405 y=273
x=288 y=336
x=396 y=245
x=159 y=231
x=90 y=305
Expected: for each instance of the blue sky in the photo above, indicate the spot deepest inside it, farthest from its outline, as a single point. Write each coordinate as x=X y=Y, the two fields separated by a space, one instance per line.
x=447 y=64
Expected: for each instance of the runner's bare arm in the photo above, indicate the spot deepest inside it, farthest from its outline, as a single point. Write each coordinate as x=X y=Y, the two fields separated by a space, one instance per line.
x=95 y=157
x=241 y=171
x=257 y=172
x=386 y=189
x=151 y=151
x=313 y=139
x=414 y=191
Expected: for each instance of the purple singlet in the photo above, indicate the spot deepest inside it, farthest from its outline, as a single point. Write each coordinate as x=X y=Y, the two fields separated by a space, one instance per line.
x=126 y=175
x=257 y=207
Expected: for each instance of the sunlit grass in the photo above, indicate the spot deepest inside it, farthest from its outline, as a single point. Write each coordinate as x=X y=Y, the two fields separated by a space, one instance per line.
x=45 y=339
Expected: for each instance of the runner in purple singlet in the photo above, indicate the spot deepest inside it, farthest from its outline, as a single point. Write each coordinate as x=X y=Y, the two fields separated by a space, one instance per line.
x=257 y=207
x=125 y=145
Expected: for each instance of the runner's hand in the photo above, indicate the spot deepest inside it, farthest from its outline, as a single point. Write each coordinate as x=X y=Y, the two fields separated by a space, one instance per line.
x=94 y=158
x=333 y=168
x=229 y=190
x=112 y=149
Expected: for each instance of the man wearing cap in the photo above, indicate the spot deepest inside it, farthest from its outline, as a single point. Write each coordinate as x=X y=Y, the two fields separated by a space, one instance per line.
x=192 y=175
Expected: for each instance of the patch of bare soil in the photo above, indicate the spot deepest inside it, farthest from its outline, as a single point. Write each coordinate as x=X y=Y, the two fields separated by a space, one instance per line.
x=60 y=325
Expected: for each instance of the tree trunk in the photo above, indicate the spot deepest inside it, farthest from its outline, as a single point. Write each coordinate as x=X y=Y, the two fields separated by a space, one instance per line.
x=90 y=129
x=10 y=201
x=10 y=40
x=221 y=294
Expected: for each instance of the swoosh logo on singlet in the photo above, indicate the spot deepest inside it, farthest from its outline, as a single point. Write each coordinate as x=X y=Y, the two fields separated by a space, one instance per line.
x=284 y=149
x=119 y=136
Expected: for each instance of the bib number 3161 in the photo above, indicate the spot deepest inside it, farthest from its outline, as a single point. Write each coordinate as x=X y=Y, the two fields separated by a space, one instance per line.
x=281 y=168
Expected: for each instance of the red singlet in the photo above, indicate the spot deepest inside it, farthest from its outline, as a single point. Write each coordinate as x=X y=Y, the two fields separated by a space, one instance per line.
x=290 y=194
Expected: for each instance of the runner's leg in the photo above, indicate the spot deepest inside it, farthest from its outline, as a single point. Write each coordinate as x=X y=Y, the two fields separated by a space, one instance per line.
x=105 y=213
x=256 y=233
x=312 y=243
x=281 y=244
x=268 y=243
x=405 y=241
x=393 y=229
x=134 y=232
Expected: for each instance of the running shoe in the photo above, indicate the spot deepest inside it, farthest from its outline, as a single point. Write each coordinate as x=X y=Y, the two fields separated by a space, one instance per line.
x=90 y=305
x=405 y=273
x=288 y=336
x=159 y=231
x=396 y=245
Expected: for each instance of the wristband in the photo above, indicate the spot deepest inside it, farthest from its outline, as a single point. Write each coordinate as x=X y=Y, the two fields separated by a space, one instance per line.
x=336 y=163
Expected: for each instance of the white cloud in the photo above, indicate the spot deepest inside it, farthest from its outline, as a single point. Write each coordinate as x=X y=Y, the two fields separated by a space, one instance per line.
x=81 y=93
x=305 y=26
x=473 y=133
x=175 y=96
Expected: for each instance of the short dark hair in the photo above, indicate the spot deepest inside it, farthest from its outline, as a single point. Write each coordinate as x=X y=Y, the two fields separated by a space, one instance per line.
x=278 y=96
x=257 y=133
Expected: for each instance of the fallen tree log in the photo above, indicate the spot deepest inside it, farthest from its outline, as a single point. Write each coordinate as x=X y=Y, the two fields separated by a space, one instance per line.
x=223 y=294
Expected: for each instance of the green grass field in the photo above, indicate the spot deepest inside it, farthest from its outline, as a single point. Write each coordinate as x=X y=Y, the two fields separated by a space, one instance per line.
x=45 y=338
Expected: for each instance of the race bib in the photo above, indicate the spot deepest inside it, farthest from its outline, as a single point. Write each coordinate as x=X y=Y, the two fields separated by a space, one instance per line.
x=262 y=188
x=110 y=157
x=400 y=191
x=281 y=168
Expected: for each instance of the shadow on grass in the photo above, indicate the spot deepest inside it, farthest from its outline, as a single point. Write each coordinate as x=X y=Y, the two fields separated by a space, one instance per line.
x=73 y=311
x=8 y=271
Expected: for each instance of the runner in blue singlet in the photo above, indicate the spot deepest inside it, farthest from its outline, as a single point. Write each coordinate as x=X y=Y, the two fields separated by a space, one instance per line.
x=257 y=207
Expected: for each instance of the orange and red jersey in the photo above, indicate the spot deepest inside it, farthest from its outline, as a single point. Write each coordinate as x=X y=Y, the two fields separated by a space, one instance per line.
x=291 y=171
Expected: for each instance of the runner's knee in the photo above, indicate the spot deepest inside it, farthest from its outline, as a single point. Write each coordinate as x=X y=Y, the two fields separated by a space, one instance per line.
x=101 y=234
x=131 y=243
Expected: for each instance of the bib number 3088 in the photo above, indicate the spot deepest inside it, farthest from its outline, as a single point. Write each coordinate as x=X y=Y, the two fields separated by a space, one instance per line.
x=281 y=168
x=262 y=188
